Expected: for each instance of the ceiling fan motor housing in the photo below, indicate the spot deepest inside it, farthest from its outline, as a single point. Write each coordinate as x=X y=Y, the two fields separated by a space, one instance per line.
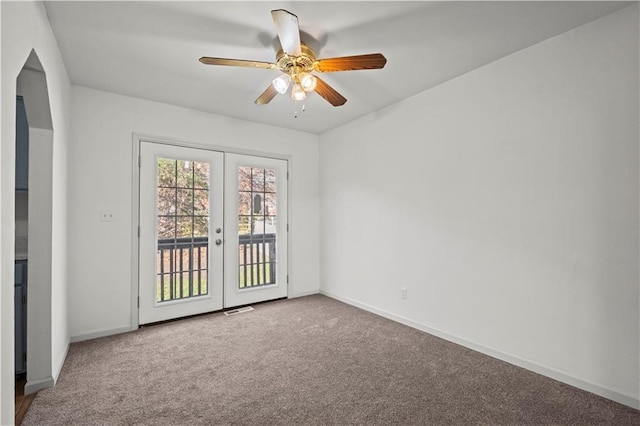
x=293 y=65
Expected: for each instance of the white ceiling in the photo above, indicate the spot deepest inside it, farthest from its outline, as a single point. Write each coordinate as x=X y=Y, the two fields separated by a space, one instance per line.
x=150 y=50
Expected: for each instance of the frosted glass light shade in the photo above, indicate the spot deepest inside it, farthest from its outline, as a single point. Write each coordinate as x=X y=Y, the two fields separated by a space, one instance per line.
x=281 y=83
x=308 y=82
x=297 y=93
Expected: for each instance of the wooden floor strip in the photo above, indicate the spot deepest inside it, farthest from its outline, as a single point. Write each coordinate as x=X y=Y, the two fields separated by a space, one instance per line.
x=22 y=402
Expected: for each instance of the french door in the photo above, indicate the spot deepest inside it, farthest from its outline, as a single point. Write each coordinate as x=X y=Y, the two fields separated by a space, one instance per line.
x=256 y=217
x=209 y=239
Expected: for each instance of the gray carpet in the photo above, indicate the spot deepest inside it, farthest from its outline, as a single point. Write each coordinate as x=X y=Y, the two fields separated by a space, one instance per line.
x=305 y=361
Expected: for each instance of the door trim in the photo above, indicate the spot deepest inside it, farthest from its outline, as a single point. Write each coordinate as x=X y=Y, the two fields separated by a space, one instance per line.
x=137 y=139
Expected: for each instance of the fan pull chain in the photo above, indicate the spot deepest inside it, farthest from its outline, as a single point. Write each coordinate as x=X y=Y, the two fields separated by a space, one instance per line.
x=295 y=111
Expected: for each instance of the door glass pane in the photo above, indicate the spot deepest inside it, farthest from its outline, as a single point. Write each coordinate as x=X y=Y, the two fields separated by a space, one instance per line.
x=182 y=225
x=257 y=190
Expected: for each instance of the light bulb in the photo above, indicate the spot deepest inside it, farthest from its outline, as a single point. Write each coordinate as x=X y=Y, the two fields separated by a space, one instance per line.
x=308 y=82
x=297 y=93
x=281 y=83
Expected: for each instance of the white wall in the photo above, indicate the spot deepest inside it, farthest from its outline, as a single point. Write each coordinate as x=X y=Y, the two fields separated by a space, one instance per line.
x=101 y=176
x=506 y=202
x=25 y=28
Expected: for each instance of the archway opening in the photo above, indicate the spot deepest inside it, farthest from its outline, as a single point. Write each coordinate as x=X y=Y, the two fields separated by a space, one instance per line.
x=34 y=234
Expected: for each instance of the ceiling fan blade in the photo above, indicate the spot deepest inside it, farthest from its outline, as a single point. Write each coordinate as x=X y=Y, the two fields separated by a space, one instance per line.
x=329 y=93
x=371 y=61
x=267 y=95
x=237 y=63
x=288 y=31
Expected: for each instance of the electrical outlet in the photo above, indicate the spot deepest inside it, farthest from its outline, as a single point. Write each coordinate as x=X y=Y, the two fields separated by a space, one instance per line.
x=403 y=293
x=106 y=216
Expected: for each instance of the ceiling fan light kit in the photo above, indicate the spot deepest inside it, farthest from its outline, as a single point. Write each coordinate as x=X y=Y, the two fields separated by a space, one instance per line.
x=297 y=93
x=308 y=82
x=297 y=61
x=281 y=83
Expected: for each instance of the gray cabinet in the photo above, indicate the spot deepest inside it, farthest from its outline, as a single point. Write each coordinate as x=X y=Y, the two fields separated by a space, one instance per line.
x=22 y=146
x=20 y=287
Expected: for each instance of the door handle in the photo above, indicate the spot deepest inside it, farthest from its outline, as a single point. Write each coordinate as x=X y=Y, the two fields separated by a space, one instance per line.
x=218 y=241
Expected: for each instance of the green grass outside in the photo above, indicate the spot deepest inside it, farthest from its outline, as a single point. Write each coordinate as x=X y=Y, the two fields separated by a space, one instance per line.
x=265 y=274
x=243 y=282
x=185 y=289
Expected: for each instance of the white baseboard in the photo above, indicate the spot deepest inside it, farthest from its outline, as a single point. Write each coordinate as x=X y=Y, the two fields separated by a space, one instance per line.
x=100 y=333
x=56 y=372
x=304 y=293
x=33 y=386
x=605 y=392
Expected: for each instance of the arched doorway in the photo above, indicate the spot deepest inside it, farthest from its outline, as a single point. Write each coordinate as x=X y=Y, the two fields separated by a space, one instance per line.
x=31 y=86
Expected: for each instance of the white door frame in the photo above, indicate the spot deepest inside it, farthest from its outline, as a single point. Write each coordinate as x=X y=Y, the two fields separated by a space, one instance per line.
x=137 y=138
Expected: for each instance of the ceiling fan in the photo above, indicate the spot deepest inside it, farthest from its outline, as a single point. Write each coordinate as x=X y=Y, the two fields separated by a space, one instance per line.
x=296 y=61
